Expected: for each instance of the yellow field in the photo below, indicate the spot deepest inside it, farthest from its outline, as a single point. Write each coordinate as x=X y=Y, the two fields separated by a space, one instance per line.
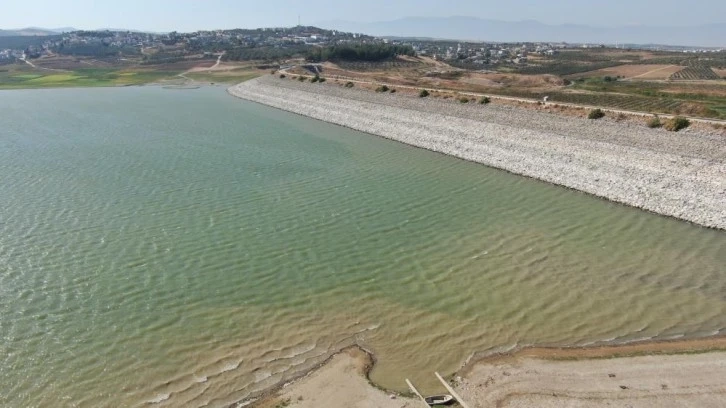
x=54 y=78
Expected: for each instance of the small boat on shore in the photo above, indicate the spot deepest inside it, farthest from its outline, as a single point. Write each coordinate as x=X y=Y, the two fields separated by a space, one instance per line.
x=439 y=399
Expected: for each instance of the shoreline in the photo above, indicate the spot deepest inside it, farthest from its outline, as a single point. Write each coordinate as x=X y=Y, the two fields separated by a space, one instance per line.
x=468 y=377
x=680 y=175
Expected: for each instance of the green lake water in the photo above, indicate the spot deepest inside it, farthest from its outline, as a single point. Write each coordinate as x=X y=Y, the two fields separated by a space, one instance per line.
x=185 y=248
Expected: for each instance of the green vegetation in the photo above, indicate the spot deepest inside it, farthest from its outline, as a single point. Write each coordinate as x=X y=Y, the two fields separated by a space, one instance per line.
x=301 y=78
x=596 y=114
x=224 y=77
x=393 y=91
x=359 y=52
x=349 y=84
x=463 y=100
x=282 y=76
x=382 y=88
x=25 y=41
x=379 y=65
x=23 y=78
x=485 y=100
x=424 y=93
x=97 y=50
x=677 y=123
x=315 y=79
x=266 y=53
x=654 y=122
x=283 y=404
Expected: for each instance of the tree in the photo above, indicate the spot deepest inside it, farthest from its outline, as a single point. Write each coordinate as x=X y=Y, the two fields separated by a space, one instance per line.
x=677 y=123
x=359 y=52
x=596 y=114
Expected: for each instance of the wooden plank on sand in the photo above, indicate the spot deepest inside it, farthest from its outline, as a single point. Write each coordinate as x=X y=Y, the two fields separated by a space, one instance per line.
x=451 y=390
x=415 y=391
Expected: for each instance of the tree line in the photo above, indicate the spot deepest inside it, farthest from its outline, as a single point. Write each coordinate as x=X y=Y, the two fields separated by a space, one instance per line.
x=359 y=52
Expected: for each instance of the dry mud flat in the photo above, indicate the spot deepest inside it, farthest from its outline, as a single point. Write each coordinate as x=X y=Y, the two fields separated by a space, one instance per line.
x=681 y=175
x=697 y=380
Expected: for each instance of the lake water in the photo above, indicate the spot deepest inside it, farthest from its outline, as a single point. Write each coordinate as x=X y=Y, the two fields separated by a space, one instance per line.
x=186 y=248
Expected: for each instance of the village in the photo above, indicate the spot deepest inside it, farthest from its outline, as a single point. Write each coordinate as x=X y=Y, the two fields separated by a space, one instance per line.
x=269 y=44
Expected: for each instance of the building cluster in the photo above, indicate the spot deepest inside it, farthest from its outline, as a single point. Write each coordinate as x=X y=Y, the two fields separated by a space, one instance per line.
x=485 y=53
x=10 y=55
x=192 y=42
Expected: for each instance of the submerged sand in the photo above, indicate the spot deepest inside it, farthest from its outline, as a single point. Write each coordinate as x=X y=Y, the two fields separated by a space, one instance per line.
x=682 y=175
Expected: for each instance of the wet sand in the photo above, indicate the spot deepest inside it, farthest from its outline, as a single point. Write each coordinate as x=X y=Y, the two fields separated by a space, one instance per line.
x=682 y=380
x=690 y=373
x=341 y=382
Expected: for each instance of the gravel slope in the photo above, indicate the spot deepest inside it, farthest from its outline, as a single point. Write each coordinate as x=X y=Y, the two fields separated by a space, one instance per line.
x=681 y=175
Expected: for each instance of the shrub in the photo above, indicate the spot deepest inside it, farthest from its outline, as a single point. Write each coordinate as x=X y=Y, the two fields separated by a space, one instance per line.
x=349 y=84
x=301 y=78
x=382 y=88
x=321 y=80
x=621 y=117
x=677 y=123
x=282 y=76
x=424 y=93
x=393 y=91
x=654 y=122
x=316 y=78
x=464 y=100
x=596 y=114
x=485 y=100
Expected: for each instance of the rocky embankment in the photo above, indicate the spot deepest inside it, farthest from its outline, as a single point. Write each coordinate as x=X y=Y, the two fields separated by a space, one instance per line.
x=682 y=175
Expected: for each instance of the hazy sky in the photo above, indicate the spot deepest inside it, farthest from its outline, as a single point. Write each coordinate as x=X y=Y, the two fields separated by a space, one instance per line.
x=191 y=15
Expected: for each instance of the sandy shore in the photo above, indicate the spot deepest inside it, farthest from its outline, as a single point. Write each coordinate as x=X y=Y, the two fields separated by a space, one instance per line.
x=682 y=175
x=685 y=380
x=640 y=375
x=341 y=382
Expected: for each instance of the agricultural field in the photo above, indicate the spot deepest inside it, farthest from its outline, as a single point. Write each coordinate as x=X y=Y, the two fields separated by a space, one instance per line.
x=699 y=99
x=225 y=77
x=634 y=72
x=18 y=76
x=694 y=73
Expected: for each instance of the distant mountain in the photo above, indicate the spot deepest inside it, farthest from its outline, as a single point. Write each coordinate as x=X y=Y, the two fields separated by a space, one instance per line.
x=471 y=28
x=35 y=31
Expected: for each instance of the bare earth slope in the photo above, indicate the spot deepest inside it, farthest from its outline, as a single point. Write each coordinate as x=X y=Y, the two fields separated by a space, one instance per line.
x=682 y=175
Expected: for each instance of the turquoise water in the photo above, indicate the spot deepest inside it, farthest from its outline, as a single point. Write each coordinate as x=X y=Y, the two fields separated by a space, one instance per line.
x=186 y=248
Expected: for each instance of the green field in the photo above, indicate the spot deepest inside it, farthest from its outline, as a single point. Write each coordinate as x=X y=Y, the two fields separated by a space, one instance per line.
x=224 y=77
x=22 y=77
x=18 y=76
